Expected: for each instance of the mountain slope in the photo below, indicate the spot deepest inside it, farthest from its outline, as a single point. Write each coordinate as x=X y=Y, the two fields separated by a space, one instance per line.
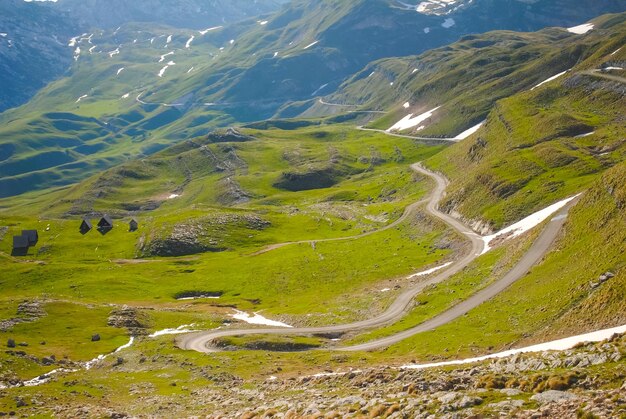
x=137 y=89
x=193 y=14
x=541 y=145
x=33 y=49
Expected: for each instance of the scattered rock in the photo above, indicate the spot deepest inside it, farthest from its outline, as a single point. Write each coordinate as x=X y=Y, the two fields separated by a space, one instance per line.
x=553 y=396
x=95 y=337
x=11 y=343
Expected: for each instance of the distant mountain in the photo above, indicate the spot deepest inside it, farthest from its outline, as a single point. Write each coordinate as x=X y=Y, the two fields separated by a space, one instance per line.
x=136 y=90
x=33 y=49
x=194 y=14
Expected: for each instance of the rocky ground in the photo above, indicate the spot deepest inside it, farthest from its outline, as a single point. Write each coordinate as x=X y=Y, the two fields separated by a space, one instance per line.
x=586 y=382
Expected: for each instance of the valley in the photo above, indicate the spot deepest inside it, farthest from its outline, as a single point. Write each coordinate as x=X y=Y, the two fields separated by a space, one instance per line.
x=319 y=209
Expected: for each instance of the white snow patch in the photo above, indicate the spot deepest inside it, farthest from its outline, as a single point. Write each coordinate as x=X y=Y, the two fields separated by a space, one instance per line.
x=548 y=80
x=429 y=271
x=263 y=22
x=166 y=55
x=257 y=319
x=114 y=52
x=526 y=224
x=204 y=32
x=169 y=39
x=163 y=70
x=616 y=51
x=581 y=29
x=556 y=345
x=311 y=44
x=81 y=98
x=469 y=132
x=612 y=68
x=91 y=49
x=585 y=135
x=407 y=105
x=410 y=122
x=232 y=41
x=385 y=290
x=426 y=30
x=126 y=96
x=448 y=23
x=4 y=35
x=120 y=70
x=178 y=331
x=190 y=70
x=319 y=89
x=189 y=41
x=128 y=345
x=173 y=196
x=414 y=71
x=275 y=55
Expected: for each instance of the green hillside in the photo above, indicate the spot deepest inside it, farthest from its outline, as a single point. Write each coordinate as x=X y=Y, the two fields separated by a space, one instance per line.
x=542 y=145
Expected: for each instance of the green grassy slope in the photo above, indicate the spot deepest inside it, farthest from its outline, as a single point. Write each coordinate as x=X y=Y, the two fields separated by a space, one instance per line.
x=540 y=146
x=466 y=78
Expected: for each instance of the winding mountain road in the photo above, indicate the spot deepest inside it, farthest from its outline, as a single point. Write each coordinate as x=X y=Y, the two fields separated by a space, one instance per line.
x=201 y=341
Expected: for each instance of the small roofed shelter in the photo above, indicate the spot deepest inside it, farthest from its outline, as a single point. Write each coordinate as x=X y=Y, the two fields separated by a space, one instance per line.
x=85 y=226
x=33 y=236
x=133 y=225
x=106 y=222
x=20 y=245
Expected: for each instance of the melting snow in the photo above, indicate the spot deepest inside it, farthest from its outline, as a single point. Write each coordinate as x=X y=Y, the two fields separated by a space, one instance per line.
x=585 y=135
x=310 y=45
x=410 y=122
x=429 y=271
x=550 y=79
x=115 y=52
x=165 y=55
x=163 y=70
x=469 y=132
x=256 y=319
x=581 y=29
x=189 y=41
x=526 y=224
x=556 y=345
x=448 y=23
x=204 y=32
x=178 y=331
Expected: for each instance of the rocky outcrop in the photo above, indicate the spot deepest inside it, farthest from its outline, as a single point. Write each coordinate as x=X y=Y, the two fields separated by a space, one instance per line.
x=129 y=318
